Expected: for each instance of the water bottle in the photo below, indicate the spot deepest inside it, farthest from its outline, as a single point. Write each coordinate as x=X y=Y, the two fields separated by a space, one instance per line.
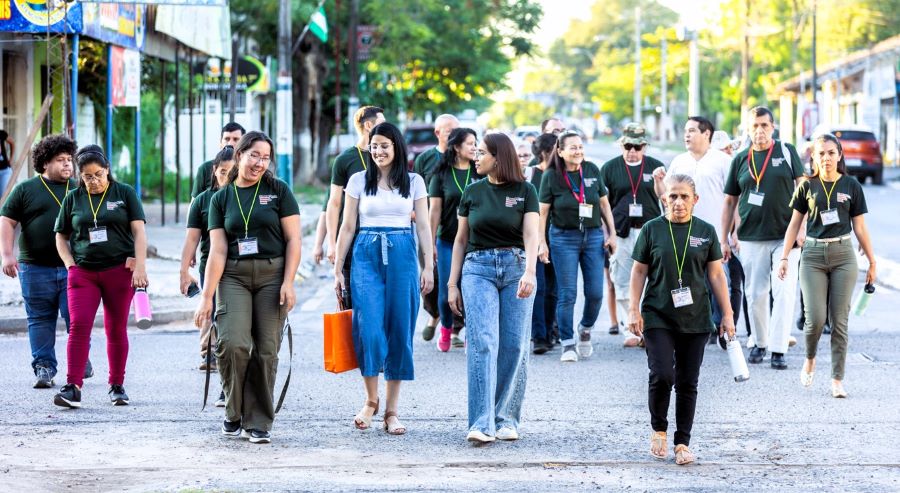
x=142 y=314
x=862 y=300
x=738 y=363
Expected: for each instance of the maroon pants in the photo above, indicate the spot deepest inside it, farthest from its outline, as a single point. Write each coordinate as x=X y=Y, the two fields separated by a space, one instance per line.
x=86 y=289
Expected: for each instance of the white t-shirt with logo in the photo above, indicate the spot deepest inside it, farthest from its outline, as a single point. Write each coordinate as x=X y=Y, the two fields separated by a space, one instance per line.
x=709 y=176
x=385 y=209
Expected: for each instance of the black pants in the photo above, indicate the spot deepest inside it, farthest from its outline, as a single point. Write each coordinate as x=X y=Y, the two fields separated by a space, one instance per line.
x=674 y=359
x=348 y=261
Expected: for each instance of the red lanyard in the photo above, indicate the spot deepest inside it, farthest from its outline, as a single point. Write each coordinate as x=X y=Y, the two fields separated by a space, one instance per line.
x=751 y=166
x=579 y=196
x=634 y=186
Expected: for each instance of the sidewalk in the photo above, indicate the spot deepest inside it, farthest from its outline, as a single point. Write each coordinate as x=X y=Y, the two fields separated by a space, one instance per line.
x=164 y=244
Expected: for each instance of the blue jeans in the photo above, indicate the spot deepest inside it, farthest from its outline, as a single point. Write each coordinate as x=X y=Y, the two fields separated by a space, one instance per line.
x=497 y=324
x=385 y=282
x=5 y=175
x=544 y=303
x=444 y=260
x=44 y=291
x=570 y=248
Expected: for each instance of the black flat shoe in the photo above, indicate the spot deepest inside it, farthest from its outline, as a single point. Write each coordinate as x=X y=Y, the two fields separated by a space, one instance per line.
x=756 y=355
x=778 y=362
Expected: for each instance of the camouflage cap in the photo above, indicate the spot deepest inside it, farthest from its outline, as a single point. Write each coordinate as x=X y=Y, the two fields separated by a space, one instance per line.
x=634 y=133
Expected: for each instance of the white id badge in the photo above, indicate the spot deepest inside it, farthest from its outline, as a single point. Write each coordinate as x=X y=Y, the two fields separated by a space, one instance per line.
x=635 y=210
x=682 y=297
x=248 y=246
x=585 y=210
x=97 y=235
x=829 y=217
x=756 y=198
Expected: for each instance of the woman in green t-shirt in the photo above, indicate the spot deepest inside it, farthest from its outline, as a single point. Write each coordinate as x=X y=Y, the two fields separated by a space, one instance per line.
x=495 y=251
x=674 y=255
x=834 y=206
x=198 y=234
x=254 y=232
x=543 y=317
x=454 y=173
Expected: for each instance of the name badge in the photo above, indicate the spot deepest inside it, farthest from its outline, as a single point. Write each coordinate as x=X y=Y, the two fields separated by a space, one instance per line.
x=585 y=210
x=97 y=235
x=829 y=217
x=756 y=198
x=635 y=210
x=248 y=246
x=682 y=297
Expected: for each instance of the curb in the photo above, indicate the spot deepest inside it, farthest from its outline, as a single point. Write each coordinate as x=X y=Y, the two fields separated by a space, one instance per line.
x=19 y=325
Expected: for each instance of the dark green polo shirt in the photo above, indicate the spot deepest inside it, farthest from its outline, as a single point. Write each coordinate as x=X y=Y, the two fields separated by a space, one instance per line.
x=496 y=213
x=203 y=179
x=35 y=209
x=198 y=218
x=563 y=204
x=448 y=185
x=427 y=163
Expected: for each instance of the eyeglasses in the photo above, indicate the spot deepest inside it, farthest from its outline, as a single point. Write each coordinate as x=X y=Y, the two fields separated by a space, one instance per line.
x=524 y=156
x=480 y=153
x=636 y=147
x=95 y=177
x=255 y=158
x=383 y=147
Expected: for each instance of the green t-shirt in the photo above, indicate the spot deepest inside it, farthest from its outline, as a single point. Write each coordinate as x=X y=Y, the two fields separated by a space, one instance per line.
x=272 y=203
x=427 y=163
x=198 y=217
x=618 y=178
x=35 y=209
x=444 y=187
x=563 y=204
x=770 y=220
x=203 y=179
x=846 y=196
x=349 y=162
x=116 y=211
x=654 y=247
x=496 y=213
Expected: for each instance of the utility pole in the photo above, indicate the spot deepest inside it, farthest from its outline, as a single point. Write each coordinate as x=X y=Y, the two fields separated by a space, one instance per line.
x=284 y=112
x=664 y=92
x=745 y=64
x=815 y=75
x=637 y=64
x=353 y=55
x=694 y=76
x=234 y=70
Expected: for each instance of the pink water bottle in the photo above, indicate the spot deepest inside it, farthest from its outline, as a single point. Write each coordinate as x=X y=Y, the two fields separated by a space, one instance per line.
x=142 y=313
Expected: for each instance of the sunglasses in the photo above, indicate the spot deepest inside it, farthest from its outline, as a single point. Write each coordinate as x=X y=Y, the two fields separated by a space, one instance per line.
x=636 y=147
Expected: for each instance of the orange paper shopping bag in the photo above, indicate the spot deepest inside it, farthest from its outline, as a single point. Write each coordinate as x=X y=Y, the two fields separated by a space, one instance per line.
x=339 y=353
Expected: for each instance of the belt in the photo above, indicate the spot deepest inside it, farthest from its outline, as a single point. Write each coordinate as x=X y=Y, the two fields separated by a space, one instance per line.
x=829 y=240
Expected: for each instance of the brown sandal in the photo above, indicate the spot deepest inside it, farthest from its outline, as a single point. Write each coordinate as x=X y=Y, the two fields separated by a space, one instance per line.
x=361 y=421
x=658 y=446
x=398 y=429
x=683 y=455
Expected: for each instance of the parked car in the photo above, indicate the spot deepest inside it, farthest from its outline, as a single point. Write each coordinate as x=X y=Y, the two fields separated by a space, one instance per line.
x=419 y=138
x=862 y=152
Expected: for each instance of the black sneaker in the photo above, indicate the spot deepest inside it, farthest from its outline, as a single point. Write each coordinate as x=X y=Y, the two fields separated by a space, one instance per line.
x=117 y=395
x=88 y=370
x=826 y=329
x=69 y=396
x=614 y=330
x=220 y=402
x=778 y=361
x=756 y=355
x=541 y=347
x=231 y=428
x=256 y=436
x=43 y=379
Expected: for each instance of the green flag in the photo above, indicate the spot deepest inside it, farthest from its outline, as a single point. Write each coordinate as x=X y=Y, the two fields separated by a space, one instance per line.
x=318 y=25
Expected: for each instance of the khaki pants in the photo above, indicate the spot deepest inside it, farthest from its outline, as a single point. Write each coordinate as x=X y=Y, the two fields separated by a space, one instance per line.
x=250 y=322
x=828 y=273
x=760 y=259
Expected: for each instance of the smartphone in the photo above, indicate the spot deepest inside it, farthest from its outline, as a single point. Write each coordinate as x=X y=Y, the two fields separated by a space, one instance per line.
x=193 y=290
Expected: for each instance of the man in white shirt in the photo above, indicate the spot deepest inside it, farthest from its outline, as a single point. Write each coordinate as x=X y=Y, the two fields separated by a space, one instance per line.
x=708 y=167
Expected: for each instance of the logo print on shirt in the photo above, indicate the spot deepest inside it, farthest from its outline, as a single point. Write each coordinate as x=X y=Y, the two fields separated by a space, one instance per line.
x=512 y=201
x=589 y=182
x=648 y=177
x=776 y=161
x=695 y=242
x=265 y=199
x=842 y=197
x=114 y=204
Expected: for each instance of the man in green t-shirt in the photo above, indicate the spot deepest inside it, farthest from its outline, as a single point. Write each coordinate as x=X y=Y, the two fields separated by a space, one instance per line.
x=427 y=162
x=34 y=204
x=231 y=135
x=760 y=185
x=553 y=126
x=351 y=161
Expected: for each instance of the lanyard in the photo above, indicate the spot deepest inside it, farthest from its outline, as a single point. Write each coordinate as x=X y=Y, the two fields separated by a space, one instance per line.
x=634 y=186
x=828 y=192
x=468 y=175
x=91 y=202
x=578 y=193
x=361 y=160
x=680 y=264
x=64 y=195
x=252 y=203
x=758 y=175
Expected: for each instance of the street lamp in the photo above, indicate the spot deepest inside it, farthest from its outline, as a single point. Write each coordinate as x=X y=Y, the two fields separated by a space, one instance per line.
x=690 y=35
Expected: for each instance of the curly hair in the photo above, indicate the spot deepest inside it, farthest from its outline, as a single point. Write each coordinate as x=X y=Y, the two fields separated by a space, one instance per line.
x=49 y=147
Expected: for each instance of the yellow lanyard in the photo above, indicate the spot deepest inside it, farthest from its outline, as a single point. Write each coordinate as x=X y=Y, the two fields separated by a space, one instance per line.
x=468 y=175
x=53 y=194
x=91 y=203
x=361 y=160
x=680 y=265
x=241 y=208
x=828 y=192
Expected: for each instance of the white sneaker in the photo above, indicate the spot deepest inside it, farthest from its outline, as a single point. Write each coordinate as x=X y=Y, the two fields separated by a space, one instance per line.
x=584 y=348
x=507 y=433
x=476 y=436
x=569 y=355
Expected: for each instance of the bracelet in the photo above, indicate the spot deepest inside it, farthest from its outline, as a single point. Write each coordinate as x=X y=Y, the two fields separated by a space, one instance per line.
x=784 y=260
x=451 y=285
